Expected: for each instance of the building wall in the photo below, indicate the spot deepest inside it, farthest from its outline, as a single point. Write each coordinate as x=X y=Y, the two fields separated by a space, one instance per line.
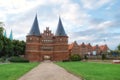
x=74 y=49
x=87 y=49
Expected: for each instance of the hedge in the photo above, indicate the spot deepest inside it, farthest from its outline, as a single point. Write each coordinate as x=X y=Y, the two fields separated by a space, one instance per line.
x=18 y=59
x=75 y=57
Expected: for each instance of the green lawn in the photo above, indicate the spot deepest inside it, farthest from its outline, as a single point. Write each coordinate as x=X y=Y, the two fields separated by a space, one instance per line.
x=92 y=70
x=13 y=71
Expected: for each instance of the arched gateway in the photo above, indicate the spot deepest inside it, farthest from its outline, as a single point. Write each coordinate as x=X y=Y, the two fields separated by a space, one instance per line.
x=46 y=45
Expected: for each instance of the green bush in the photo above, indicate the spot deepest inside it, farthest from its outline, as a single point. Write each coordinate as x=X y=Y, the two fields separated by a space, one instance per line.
x=18 y=59
x=75 y=57
x=2 y=59
x=85 y=57
x=103 y=56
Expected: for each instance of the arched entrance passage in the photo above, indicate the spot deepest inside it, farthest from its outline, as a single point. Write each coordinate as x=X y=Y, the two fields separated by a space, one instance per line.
x=46 y=57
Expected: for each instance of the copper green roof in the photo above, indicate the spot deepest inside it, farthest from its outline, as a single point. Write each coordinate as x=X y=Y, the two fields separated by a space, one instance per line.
x=5 y=35
x=11 y=36
x=35 y=28
x=60 y=29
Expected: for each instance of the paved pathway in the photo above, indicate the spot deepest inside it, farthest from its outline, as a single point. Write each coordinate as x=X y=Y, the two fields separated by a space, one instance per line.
x=48 y=71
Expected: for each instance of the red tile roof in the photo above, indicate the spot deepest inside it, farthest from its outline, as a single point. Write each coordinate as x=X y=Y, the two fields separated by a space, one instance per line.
x=103 y=47
x=70 y=46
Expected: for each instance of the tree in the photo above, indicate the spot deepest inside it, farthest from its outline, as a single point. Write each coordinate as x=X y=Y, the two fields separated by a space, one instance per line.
x=1 y=29
x=9 y=47
x=85 y=57
x=118 y=47
x=19 y=47
x=1 y=37
x=103 y=56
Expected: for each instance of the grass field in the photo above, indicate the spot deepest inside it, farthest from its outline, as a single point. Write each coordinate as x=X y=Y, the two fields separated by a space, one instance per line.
x=92 y=70
x=13 y=71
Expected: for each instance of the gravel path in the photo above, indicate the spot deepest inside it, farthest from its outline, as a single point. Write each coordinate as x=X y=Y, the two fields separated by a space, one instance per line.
x=48 y=71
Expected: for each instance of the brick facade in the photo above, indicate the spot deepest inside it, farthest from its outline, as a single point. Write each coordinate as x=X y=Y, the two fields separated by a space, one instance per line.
x=87 y=49
x=47 y=45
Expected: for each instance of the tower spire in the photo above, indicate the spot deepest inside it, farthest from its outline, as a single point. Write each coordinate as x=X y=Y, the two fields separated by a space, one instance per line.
x=60 y=29
x=11 y=36
x=5 y=35
x=35 y=28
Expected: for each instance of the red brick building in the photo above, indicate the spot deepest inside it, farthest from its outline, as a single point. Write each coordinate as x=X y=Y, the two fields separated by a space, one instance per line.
x=88 y=49
x=46 y=44
x=74 y=48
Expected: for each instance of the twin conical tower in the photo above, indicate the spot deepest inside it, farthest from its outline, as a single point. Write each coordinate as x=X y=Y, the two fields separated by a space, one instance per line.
x=10 y=36
x=36 y=32
x=40 y=46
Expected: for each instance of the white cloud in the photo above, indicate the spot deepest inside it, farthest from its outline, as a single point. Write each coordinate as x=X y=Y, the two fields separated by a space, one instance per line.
x=19 y=6
x=105 y=24
x=94 y=4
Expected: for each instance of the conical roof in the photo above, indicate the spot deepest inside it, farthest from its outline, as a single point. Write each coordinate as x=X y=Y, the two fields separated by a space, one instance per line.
x=60 y=29
x=11 y=36
x=5 y=35
x=35 y=28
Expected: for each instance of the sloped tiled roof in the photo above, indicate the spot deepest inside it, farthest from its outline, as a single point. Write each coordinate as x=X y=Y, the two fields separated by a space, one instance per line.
x=35 y=28
x=95 y=47
x=88 y=46
x=60 y=29
x=82 y=45
x=70 y=46
x=103 y=47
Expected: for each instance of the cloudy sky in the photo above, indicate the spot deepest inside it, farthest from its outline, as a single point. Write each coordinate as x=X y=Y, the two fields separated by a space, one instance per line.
x=89 y=21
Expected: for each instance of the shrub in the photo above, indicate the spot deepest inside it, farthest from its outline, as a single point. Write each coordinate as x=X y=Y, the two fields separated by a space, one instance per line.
x=18 y=59
x=85 y=57
x=2 y=59
x=103 y=56
x=65 y=60
x=75 y=57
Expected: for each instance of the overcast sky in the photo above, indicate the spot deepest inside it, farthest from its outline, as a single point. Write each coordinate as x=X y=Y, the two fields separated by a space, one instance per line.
x=89 y=21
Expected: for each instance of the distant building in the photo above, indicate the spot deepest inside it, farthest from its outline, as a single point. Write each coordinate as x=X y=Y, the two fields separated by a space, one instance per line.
x=10 y=36
x=5 y=35
x=88 y=49
x=74 y=48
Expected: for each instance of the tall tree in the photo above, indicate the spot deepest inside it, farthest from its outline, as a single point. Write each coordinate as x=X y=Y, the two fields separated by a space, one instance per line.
x=19 y=47
x=118 y=47
x=1 y=36
x=1 y=29
x=10 y=47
